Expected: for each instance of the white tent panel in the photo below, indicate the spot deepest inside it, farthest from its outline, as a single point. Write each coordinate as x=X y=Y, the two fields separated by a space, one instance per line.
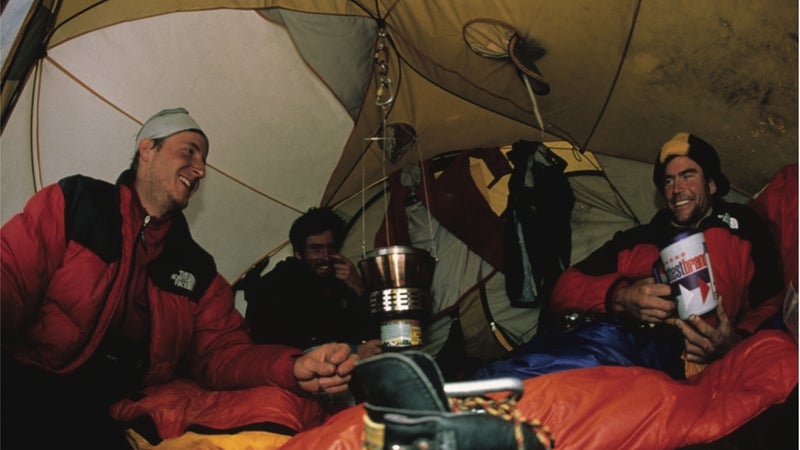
x=249 y=140
x=16 y=168
x=267 y=162
x=235 y=224
x=72 y=118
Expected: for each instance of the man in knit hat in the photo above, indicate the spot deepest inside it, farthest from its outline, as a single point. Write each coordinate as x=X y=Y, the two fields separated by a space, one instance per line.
x=615 y=284
x=104 y=292
x=697 y=164
x=688 y=174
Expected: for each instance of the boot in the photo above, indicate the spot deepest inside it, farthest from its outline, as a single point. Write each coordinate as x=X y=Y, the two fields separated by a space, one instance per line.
x=407 y=408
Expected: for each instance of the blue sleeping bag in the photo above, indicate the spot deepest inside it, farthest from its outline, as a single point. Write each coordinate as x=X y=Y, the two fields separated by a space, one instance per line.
x=604 y=341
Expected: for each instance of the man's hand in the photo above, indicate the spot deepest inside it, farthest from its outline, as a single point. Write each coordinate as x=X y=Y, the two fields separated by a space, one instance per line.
x=705 y=343
x=326 y=368
x=347 y=272
x=643 y=300
x=369 y=348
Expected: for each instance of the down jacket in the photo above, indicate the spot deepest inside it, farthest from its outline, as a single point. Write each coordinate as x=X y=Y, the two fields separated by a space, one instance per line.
x=67 y=264
x=743 y=260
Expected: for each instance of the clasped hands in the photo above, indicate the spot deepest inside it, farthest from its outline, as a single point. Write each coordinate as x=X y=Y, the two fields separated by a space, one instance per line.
x=325 y=369
x=704 y=343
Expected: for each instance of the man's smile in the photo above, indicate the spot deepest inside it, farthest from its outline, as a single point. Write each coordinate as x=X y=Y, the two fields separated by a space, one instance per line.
x=681 y=202
x=185 y=181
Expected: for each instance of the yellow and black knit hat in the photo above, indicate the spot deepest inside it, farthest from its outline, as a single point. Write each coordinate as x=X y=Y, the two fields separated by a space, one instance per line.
x=685 y=144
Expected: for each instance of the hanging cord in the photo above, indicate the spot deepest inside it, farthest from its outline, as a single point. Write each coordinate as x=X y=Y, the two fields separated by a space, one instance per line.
x=384 y=99
x=363 y=211
x=535 y=106
x=424 y=175
x=507 y=410
x=384 y=187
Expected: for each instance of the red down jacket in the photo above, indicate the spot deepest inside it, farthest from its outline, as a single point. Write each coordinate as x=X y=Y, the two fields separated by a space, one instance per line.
x=66 y=263
x=743 y=260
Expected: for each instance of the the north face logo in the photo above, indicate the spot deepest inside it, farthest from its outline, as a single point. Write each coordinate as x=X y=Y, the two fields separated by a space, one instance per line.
x=183 y=280
x=731 y=222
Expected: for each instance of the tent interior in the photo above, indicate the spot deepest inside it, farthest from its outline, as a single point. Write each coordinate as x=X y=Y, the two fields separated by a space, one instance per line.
x=317 y=103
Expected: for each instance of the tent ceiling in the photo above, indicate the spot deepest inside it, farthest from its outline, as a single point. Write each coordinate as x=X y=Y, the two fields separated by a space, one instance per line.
x=288 y=106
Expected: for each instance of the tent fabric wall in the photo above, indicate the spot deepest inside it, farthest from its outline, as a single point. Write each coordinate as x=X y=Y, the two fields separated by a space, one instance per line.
x=238 y=215
x=283 y=124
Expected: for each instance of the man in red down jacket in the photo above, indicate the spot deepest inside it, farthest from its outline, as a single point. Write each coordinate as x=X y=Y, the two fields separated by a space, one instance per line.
x=625 y=318
x=104 y=291
x=616 y=279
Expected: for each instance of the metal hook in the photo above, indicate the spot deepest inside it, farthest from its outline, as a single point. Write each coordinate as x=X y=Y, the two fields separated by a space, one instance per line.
x=387 y=84
x=381 y=59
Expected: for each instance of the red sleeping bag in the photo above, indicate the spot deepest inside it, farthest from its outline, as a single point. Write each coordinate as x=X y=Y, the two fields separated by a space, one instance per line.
x=631 y=407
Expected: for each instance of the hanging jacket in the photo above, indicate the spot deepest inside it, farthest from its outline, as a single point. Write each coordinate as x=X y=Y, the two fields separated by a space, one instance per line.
x=538 y=235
